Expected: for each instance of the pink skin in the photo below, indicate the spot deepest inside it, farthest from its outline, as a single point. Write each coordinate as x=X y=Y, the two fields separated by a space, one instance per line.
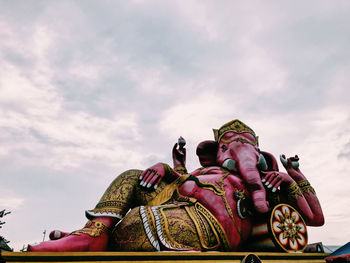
x=82 y=242
x=57 y=234
x=152 y=176
x=215 y=204
x=307 y=204
x=273 y=180
x=246 y=156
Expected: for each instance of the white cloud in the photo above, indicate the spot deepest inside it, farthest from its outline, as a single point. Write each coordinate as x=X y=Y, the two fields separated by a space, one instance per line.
x=43 y=39
x=261 y=73
x=194 y=116
x=200 y=17
x=338 y=91
x=328 y=174
x=34 y=109
x=10 y=200
x=190 y=68
x=150 y=80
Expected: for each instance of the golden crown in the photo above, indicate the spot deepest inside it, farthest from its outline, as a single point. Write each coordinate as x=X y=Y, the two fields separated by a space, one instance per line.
x=235 y=126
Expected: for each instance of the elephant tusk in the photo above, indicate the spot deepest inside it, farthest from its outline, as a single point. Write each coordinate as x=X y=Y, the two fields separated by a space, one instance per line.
x=229 y=164
x=262 y=165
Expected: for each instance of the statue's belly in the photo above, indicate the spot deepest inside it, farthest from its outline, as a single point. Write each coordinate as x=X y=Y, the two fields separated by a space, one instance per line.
x=220 y=201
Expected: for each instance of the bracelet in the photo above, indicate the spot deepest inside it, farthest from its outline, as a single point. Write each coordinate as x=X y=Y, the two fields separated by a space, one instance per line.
x=181 y=169
x=182 y=179
x=167 y=169
x=92 y=228
x=305 y=187
x=294 y=191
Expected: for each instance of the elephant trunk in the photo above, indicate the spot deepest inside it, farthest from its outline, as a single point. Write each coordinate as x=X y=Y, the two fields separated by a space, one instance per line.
x=247 y=165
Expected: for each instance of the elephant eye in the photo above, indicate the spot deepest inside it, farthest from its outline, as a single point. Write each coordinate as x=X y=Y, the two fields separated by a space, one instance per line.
x=224 y=147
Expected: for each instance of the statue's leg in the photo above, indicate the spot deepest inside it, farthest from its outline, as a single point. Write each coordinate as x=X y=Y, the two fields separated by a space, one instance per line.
x=130 y=235
x=93 y=237
x=123 y=194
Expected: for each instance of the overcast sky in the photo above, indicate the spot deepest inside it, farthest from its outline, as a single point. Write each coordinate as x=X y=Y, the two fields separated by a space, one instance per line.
x=89 y=89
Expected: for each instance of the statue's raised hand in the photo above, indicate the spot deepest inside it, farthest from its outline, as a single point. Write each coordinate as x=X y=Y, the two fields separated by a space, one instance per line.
x=179 y=153
x=291 y=165
x=152 y=176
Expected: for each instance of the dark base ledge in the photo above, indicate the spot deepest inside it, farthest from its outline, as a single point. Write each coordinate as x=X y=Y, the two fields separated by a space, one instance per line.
x=202 y=257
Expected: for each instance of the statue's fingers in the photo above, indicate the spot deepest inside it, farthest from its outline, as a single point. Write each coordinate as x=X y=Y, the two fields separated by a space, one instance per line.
x=157 y=182
x=153 y=180
x=147 y=182
x=270 y=179
x=266 y=178
x=268 y=182
x=145 y=177
x=274 y=182
x=149 y=177
x=143 y=174
x=277 y=186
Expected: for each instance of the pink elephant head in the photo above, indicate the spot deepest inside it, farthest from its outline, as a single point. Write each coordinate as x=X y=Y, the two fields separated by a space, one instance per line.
x=236 y=149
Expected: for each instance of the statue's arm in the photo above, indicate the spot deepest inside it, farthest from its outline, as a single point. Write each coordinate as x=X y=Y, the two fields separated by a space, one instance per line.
x=309 y=197
x=179 y=156
x=152 y=176
x=297 y=190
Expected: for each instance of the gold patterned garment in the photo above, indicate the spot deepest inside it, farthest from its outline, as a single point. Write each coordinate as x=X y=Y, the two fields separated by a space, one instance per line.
x=125 y=193
x=178 y=226
x=122 y=194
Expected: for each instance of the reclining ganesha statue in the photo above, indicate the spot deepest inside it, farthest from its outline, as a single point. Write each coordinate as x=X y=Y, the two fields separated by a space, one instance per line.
x=213 y=208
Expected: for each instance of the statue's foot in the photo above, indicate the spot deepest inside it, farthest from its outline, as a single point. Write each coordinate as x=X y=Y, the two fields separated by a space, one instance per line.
x=81 y=242
x=93 y=237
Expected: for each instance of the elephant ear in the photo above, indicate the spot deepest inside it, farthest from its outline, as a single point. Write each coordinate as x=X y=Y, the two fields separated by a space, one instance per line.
x=271 y=161
x=206 y=152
